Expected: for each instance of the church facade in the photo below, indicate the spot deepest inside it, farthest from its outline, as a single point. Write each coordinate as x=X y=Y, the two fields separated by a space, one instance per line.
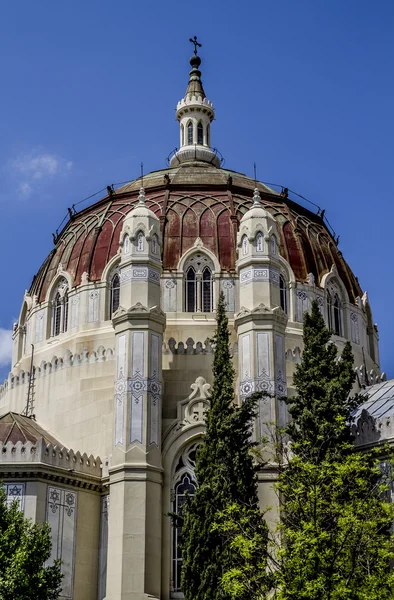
x=103 y=410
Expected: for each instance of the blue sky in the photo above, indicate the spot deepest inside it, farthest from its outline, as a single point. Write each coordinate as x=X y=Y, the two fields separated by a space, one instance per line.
x=305 y=89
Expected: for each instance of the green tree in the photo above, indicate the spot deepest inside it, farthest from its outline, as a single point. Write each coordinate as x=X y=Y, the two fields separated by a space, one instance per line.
x=335 y=519
x=225 y=475
x=24 y=549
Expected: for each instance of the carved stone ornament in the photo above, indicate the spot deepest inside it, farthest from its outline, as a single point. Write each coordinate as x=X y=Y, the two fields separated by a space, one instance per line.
x=198 y=243
x=85 y=278
x=310 y=278
x=119 y=311
x=242 y=313
x=192 y=410
x=261 y=308
x=138 y=307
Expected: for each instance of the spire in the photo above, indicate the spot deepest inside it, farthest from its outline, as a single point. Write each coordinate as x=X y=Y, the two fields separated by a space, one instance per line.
x=195 y=87
x=195 y=114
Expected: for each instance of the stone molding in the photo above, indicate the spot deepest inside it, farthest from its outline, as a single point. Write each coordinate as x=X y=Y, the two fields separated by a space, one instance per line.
x=54 y=456
x=57 y=364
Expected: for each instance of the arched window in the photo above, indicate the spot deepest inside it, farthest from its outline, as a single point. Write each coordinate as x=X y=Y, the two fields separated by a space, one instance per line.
x=244 y=245
x=60 y=308
x=191 y=290
x=334 y=312
x=208 y=135
x=259 y=242
x=190 y=133
x=57 y=315
x=199 y=294
x=126 y=244
x=182 y=135
x=140 y=241
x=337 y=320
x=200 y=134
x=273 y=245
x=283 y=293
x=115 y=295
x=155 y=244
x=329 y=311
x=207 y=290
x=184 y=482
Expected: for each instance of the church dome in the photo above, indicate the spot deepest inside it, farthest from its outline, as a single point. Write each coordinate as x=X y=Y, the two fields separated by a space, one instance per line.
x=193 y=200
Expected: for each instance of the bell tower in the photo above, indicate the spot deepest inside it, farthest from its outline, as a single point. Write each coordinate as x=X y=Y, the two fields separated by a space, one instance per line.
x=135 y=473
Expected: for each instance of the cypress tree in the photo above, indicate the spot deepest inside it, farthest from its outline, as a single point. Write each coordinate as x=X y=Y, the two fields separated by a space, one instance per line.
x=225 y=476
x=335 y=517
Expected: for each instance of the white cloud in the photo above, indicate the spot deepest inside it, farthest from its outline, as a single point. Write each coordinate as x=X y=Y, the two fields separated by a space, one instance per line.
x=5 y=347
x=36 y=166
x=24 y=189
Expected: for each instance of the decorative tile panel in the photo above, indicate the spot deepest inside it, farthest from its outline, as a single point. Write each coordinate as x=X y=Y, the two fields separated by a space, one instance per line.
x=258 y=274
x=354 y=327
x=103 y=549
x=154 y=389
x=138 y=385
x=302 y=304
x=74 y=311
x=15 y=491
x=227 y=286
x=61 y=513
x=169 y=295
x=93 y=306
x=120 y=389
x=39 y=326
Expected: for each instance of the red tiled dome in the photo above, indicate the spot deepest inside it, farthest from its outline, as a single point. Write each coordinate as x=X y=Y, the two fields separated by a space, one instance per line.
x=193 y=200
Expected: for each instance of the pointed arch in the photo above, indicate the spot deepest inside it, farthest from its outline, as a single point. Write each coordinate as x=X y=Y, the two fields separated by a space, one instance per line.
x=200 y=134
x=114 y=294
x=190 y=133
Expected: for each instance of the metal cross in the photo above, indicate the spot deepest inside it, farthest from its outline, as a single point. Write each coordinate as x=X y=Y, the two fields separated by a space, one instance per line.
x=194 y=41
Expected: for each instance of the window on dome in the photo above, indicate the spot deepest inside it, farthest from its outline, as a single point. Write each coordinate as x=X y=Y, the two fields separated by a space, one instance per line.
x=334 y=313
x=283 y=293
x=65 y=312
x=60 y=308
x=57 y=314
x=329 y=311
x=199 y=295
x=208 y=135
x=190 y=133
x=191 y=290
x=184 y=485
x=207 y=290
x=260 y=242
x=115 y=295
x=200 y=134
x=182 y=135
x=337 y=320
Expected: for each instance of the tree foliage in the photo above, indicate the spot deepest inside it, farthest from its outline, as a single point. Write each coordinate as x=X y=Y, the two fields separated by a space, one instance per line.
x=225 y=475
x=24 y=549
x=335 y=518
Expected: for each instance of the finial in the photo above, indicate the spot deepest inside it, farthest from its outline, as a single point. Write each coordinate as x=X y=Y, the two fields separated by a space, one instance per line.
x=255 y=175
x=141 y=197
x=142 y=175
x=194 y=41
x=256 y=197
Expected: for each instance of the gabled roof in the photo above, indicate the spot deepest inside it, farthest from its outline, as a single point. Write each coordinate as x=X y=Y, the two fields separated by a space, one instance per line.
x=18 y=428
